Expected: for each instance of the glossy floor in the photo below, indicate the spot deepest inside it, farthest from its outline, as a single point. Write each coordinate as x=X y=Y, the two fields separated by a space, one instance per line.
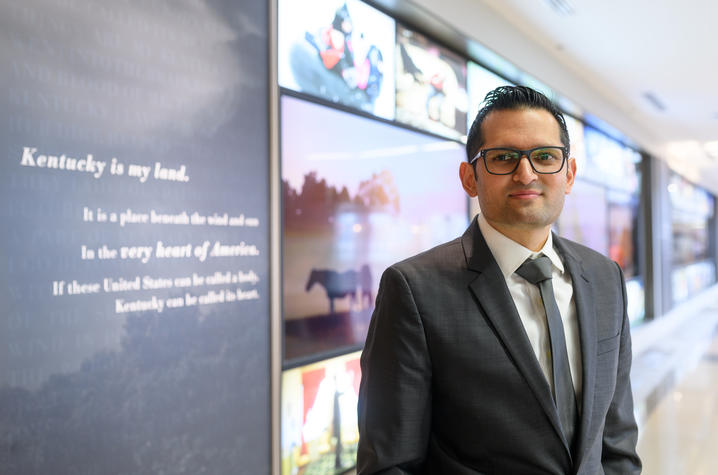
x=680 y=434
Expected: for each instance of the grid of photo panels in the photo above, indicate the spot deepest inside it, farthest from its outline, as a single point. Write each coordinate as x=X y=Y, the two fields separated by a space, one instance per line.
x=373 y=121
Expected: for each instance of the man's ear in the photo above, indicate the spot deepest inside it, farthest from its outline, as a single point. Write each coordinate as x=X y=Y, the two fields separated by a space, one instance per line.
x=570 y=174
x=468 y=179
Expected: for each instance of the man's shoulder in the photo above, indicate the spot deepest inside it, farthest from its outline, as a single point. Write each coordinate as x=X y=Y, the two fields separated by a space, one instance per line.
x=449 y=254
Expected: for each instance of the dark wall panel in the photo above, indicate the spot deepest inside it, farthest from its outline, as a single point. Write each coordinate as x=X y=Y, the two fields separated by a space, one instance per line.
x=134 y=313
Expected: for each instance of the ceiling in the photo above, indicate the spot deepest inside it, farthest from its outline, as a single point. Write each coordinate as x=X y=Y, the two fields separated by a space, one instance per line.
x=655 y=60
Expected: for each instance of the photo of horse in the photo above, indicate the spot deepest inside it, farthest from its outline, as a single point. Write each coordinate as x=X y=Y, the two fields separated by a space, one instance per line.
x=357 y=196
x=344 y=284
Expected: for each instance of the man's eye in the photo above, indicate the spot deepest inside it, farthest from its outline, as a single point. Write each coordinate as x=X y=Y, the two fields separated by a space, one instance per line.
x=545 y=156
x=504 y=157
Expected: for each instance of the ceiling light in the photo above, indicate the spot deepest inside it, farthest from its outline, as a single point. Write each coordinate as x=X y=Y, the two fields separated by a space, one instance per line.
x=654 y=100
x=711 y=149
x=562 y=7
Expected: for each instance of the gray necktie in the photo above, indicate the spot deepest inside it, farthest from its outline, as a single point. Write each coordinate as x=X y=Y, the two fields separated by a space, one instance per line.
x=538 y=272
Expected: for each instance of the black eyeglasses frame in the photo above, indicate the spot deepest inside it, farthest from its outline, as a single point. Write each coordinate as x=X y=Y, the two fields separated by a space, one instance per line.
x=522 y=153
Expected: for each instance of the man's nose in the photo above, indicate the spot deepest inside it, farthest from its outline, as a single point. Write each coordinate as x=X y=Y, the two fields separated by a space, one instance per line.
x=525 y=173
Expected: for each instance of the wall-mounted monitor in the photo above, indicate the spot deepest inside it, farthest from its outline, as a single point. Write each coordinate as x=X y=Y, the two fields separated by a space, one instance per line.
x=338 y=50
x=358 y=195
x=692 y=278
x=479 y=82
x=584 y=218
x=430 y=85
x=319 y=416
x=578 y=146
x=689 y=199
x=622 y=235
x=611 y=163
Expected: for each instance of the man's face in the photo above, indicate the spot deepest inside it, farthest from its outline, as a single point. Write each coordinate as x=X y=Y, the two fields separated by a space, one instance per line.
x=523 y=201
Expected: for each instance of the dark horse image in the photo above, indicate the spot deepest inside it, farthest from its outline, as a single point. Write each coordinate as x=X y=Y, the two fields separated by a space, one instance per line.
x=339 y=285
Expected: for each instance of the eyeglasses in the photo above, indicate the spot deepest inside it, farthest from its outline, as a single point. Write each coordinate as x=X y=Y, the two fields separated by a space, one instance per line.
x=505 y=161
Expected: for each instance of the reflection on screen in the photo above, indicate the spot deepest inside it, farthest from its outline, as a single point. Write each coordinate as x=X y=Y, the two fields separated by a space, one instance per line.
x=358 y=195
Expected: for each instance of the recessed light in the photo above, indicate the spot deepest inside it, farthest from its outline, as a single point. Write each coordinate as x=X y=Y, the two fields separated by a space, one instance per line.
x=653 y=99
x=562 y=7
x=711 y=149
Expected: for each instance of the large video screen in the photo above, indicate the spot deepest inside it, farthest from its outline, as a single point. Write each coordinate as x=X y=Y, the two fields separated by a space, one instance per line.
x=358 y=196
x=578 y=147
x=479 y=82
x=622 y=235
x=691 y=210
x=430 y=85
x=319 y=416
x=584 y=218
x=338 y=50
x=610 y=162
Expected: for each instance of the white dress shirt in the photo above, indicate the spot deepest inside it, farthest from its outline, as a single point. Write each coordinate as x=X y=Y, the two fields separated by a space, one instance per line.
x=509 y=256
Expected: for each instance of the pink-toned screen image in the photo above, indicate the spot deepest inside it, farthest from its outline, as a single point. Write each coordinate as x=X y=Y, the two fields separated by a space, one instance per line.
x=622 y=221
x=358 y=195
x=584 y=218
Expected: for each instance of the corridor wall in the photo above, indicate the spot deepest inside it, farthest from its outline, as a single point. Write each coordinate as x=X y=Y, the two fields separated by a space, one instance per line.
x=134 y=323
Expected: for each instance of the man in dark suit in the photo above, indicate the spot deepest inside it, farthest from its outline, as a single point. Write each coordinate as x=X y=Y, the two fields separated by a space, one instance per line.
x=472 y=364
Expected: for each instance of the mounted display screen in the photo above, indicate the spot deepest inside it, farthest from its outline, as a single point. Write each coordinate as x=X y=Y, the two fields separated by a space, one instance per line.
x=358 y=195
x=430 y=85
x=341 y=51
x=319 y=416
x=480 y=82
x=610 y=162
x=584 y=216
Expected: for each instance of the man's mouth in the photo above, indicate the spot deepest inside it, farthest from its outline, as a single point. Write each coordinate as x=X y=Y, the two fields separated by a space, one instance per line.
x=525 y=194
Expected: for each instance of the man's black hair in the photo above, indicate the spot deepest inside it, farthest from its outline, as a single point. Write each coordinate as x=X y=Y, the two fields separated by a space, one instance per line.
x=512 y=98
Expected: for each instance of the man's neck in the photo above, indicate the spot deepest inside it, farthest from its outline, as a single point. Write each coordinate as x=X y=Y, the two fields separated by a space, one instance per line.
x=530 y=237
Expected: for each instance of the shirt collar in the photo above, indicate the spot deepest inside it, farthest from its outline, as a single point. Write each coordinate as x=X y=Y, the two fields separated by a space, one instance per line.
x=509 y=254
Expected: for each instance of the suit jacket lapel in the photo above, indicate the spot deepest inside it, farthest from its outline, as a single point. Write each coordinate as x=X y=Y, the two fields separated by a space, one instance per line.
x=587 y=326
x=493 y=296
